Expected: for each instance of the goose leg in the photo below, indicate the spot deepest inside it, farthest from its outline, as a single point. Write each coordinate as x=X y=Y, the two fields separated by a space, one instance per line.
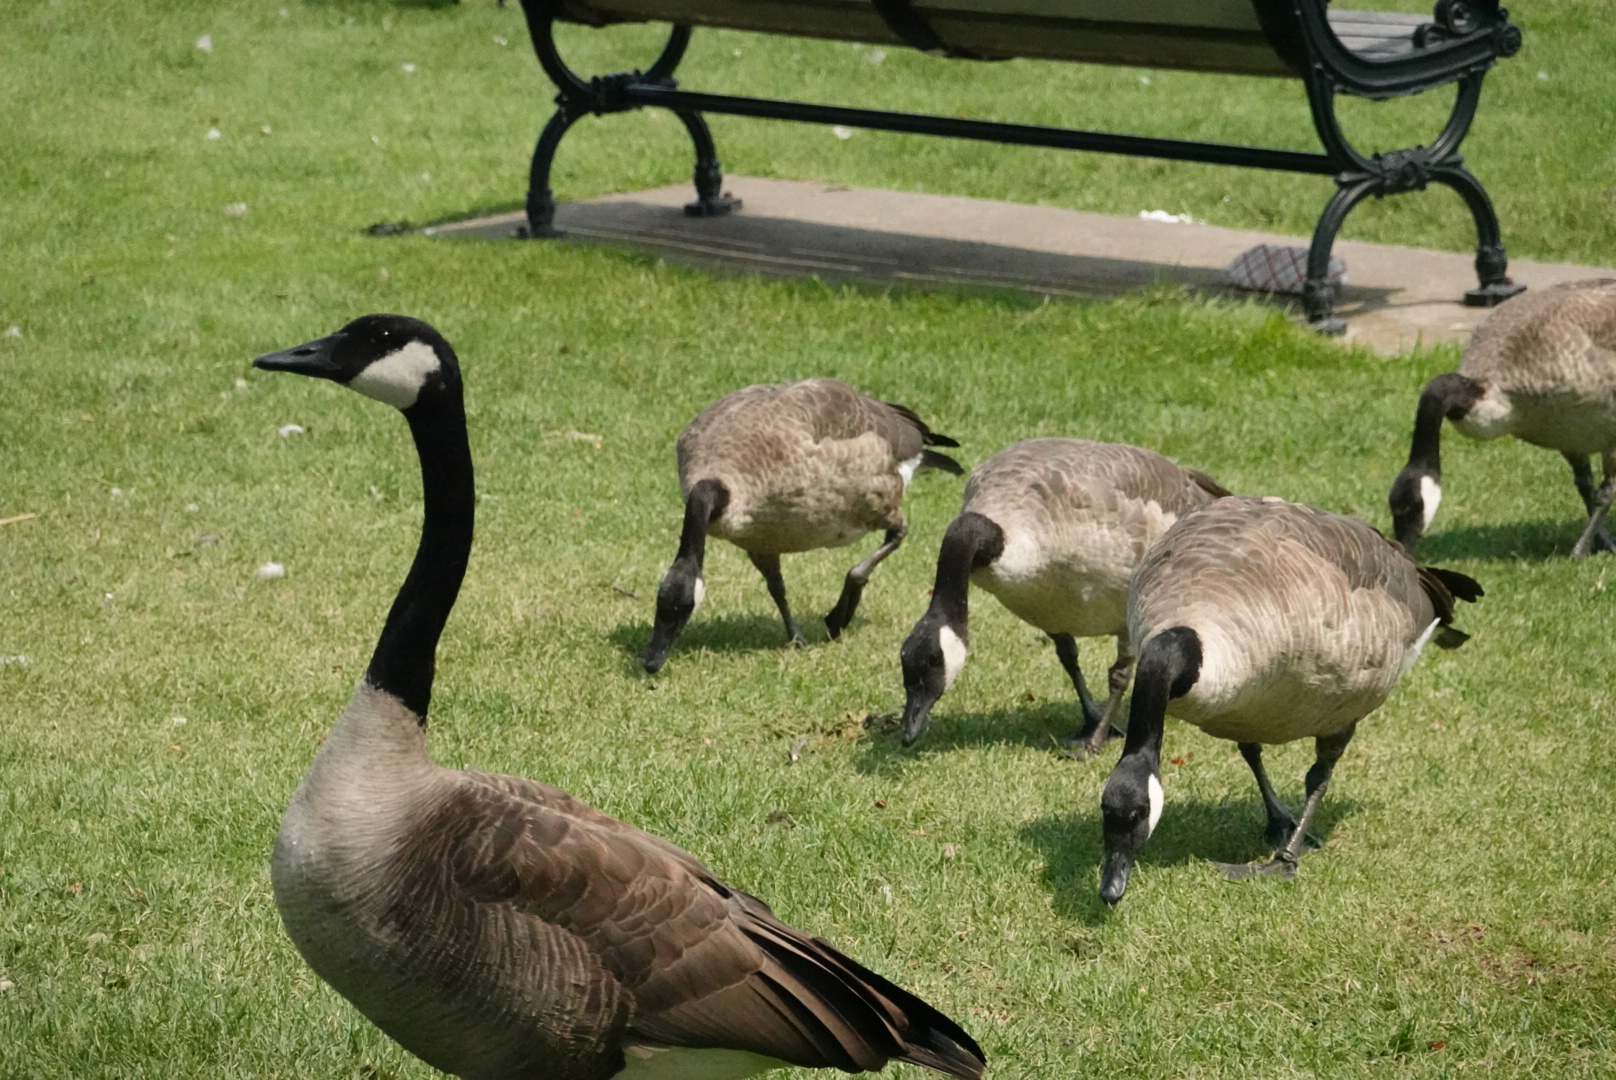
x=1117 y=679
x=769 y=567
x=1066 y=650
x=1281 y=825
x=853 y=587
x=1595 y=537
x=1327 y=751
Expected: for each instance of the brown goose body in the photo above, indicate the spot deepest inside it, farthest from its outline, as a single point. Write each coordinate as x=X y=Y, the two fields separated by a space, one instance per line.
x=1307 y=619
x=1264 y=621
x=1546 y=362
x=786 y=468
x=1077 y=517
x=1542 y=368
x=807 y=465
x=1054 y=529
x=497 y=927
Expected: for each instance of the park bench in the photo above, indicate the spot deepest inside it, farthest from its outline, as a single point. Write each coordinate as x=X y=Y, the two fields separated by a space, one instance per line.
x=1369 y=54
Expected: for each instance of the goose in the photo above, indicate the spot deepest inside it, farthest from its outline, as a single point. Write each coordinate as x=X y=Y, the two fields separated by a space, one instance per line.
x=1264 y=621
x=1054 y=529
x=790 y=467
x=499 y=928
x=1542 y=368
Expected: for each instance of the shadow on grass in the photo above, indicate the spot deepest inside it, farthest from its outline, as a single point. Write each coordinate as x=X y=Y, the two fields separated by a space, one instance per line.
x=723 y=634
x=1041 y=726
x=1191 y=831
x=1542 y=539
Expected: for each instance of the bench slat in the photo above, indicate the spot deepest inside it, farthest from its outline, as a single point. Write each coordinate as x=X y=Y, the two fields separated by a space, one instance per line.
x=1194 y=35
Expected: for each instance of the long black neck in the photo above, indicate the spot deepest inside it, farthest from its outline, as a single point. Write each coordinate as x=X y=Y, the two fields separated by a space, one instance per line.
x=403 y=661
x=971 y=542
x=1446 y=397
x=706 y=501
x=1169 y=665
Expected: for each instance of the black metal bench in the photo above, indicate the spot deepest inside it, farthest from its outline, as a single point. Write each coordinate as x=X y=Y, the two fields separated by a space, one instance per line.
x=1377 y=55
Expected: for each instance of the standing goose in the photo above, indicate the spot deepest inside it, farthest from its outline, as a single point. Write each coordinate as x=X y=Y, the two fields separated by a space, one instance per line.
x=785 y=468
x=1054 y=529
x=1264 y=621
x=1543 y=369
x=500 y=929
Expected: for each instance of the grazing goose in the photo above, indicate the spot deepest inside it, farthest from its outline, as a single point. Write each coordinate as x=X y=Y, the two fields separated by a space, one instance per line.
x=1054 y=529
x=785 y=468
x=498 y=928
x=1264 y=621
x=1543 y=369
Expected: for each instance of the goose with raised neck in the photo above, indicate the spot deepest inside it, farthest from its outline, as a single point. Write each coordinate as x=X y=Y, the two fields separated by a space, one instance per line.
x=500 y=929
x=1263 y=621
x=777 y=469
x=1541 y=367
x=1053 y=528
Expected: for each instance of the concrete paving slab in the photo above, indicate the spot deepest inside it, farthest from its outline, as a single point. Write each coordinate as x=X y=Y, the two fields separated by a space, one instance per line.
x=1395 y=297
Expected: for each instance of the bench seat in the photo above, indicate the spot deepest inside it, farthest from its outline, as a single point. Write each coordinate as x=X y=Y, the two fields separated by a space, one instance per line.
x=1224 y=36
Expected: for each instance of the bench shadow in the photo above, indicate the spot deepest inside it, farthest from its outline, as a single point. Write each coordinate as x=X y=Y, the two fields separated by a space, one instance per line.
x=1192 y=830
x=783 y=247
x=1544 y=538
x=720 y=634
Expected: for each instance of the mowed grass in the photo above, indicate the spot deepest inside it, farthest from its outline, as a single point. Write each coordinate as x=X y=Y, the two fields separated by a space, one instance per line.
x=1458 y=921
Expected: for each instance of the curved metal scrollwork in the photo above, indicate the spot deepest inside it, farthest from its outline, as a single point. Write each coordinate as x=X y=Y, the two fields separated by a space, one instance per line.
x=1392 y=173
x=601 y=95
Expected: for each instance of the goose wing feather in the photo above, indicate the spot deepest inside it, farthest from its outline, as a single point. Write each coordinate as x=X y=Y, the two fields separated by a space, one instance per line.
x=1550 y=341
x=702 y=964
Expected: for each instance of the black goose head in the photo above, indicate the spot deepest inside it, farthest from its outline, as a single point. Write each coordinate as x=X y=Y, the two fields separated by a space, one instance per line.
x=932 y=657
x=393 y=358
x=1130 y=807
x=677 y=599
x=1413 y=501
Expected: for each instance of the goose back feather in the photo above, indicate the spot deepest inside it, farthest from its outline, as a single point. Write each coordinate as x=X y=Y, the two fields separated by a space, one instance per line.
x=1307 y=619
x=1077 y=517
x=807 y=465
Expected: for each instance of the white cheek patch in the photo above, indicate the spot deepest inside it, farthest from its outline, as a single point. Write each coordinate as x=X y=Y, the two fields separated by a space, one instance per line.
x=953 y=655
x=1153 y=785
x=701 y=594
x=1430 y=498
x=906 y=469
x=396 y=379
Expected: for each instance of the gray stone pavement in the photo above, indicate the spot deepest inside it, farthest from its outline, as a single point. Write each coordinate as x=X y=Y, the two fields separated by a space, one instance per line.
x=1395 y=297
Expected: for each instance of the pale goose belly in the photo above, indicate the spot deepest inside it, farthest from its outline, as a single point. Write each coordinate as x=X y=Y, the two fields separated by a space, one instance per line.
x=1571 y=425
x=1081 y=589
x=1298 y=680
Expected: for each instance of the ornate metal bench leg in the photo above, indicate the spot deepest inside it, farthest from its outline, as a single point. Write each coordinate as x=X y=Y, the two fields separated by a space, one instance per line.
x=541 y=204
x=710 y=198
x=1492 y=266
x=1318 y=294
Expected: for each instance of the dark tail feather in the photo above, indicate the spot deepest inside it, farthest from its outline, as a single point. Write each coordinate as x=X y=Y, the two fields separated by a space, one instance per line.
x=1464 y=587
x=928 y=437
x=1450 y=637
x=1208 y=485
x=864 y=1009
x=930 y=459
x=1443 y=586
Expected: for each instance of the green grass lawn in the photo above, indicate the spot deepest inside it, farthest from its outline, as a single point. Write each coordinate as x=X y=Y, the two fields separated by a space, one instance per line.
x=158 y=704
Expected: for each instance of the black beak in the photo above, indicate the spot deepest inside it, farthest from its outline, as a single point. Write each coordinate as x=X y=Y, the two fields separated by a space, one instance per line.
x=314 y=358
x=1114 y=876
x=916 y=715
x=656 y=653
